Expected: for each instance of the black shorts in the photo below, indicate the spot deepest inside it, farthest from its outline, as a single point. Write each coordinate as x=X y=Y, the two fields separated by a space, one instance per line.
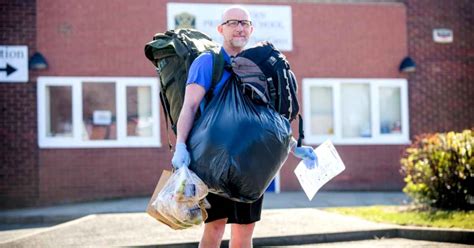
x=235 y=212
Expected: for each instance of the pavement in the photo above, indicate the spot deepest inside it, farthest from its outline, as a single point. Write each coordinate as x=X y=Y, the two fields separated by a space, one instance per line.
x=289 y=219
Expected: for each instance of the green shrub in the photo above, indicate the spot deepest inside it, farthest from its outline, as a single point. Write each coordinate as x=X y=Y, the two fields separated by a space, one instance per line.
x=439 y=171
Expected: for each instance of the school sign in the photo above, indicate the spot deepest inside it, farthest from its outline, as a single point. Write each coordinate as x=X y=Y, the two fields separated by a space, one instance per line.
x=272 y=23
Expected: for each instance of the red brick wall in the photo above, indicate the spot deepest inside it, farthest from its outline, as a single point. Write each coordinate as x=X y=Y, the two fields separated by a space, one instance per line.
x=442 y=89
x=69 y=175
x=363 y=40
x=351 y=41
x=369 y=167
x=115 y=45
x=98 y=38
x=348 y=40
x=18 y=138
x=80 y=38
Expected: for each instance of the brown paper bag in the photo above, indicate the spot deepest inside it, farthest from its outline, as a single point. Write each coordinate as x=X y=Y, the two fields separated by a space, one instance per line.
x=165 y=175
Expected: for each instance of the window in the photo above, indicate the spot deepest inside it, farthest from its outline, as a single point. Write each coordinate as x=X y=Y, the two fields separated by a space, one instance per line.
x=139 y=111
x=98 y=112
x=58 y=105
x=356 y=111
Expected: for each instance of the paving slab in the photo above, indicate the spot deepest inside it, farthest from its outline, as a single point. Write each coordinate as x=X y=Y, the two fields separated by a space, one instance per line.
x=382 y=243
x=139 y=229
x=287 y=219
x=66 y=212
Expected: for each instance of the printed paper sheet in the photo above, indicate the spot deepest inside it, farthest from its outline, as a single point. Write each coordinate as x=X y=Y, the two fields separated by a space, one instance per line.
x=329 y=166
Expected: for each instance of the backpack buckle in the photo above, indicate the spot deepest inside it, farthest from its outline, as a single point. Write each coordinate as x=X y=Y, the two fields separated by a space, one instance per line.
x=272 y=60
x=161 y=64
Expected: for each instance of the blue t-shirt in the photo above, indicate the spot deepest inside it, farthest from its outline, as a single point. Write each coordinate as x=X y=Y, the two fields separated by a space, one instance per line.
x=201 y=73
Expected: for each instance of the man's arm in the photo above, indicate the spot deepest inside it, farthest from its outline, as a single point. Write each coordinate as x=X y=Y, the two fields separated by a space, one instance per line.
x=192 y=99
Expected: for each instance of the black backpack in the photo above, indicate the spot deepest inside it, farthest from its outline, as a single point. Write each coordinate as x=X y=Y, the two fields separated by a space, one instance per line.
x=266 y=78
x=172 y=53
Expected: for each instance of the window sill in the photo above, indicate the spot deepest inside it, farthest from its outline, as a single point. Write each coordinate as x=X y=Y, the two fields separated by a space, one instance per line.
x=356 y=141
x=67 y=144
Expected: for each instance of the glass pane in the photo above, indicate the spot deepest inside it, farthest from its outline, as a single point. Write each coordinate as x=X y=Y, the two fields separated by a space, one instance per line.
x=355 y=110
x=390 y=110
x=322 y=113
x=139 y=119
x=59 y=111
x=98 y=111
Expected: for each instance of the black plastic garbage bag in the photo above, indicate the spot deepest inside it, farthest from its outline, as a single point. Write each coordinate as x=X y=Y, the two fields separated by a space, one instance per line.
x=237 y=146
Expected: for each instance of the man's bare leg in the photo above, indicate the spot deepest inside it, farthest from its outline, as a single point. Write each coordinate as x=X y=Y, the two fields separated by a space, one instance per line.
x=241 y=235
x=212 y=235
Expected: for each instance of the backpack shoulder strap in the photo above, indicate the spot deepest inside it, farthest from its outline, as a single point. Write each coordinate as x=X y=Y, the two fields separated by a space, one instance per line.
x=218 y=64
x=300 y=131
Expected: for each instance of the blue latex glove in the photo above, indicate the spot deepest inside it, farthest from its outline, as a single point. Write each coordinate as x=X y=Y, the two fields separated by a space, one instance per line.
x=307 y=154
x=181 y=156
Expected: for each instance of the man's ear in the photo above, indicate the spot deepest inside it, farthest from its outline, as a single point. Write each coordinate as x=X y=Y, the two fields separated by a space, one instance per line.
x=219 y=29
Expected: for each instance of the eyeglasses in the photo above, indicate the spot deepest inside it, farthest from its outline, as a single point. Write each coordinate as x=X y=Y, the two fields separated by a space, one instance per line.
x=235 y=23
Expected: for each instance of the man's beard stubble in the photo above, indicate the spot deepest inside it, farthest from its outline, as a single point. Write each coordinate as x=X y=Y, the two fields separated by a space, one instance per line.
x=239 y=43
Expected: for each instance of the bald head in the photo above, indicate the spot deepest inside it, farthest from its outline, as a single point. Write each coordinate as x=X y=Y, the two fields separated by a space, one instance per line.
x=235 y=11
x=236 y=28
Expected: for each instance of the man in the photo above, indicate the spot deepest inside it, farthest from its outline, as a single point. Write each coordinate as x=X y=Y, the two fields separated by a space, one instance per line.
x=236 y=28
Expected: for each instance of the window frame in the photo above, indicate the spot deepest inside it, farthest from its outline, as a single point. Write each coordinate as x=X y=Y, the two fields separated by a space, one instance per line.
x=374 y=85
x=76 y=141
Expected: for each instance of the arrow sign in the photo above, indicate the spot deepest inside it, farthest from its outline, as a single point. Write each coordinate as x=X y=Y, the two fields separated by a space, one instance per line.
x=9 y=69
x=13 y=64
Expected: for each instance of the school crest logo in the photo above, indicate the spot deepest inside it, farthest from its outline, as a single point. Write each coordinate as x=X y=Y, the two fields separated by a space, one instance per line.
x=184 y=20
